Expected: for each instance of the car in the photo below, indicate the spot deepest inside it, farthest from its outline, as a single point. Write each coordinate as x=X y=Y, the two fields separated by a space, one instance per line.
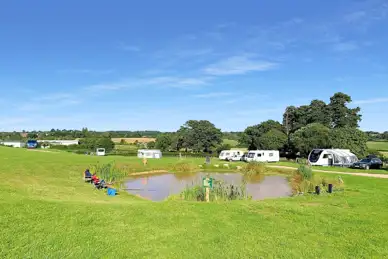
x=244 y=157
x=368 y=163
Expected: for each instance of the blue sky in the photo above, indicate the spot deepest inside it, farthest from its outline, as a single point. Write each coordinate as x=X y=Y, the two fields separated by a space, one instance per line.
x=136 y=65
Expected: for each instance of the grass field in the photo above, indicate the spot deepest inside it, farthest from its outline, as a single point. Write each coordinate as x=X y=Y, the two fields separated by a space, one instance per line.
x=47 y=211
x=378 y=145
x=231 y=142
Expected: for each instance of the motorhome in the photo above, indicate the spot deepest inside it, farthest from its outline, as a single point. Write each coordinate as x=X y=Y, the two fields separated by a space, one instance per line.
x=332 y=157
x=263 y=156
x=149 y=153
x=231 y=155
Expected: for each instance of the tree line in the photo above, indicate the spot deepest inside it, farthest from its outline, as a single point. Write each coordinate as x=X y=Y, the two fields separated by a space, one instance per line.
x=316 y=125
x=56 y=134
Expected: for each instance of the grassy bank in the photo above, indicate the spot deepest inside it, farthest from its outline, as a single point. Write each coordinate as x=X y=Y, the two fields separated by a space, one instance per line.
x=47 y=211
x=335 y=169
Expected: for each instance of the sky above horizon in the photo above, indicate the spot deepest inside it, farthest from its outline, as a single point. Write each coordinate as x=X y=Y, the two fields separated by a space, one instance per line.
x=153 y=65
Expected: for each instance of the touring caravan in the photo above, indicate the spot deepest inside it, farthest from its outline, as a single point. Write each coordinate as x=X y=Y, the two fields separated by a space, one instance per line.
x=231 y=155
x=100 y=152
x=332 y=157
x=149 y=153
x=263 y=156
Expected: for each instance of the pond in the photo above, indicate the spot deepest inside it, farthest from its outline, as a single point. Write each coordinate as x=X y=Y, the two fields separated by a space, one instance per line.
x=159 y=187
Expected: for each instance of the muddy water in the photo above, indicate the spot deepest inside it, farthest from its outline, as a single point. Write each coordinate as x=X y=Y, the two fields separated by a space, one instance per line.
x=159 y=187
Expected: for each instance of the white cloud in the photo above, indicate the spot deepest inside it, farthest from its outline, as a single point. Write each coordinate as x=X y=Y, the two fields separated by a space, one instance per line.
x=213 y=95
x=162 y=81
x=50 y=101
x=86 y=71
x=238 y=65
x=372 y=101
x=355 y=16
x=126 y=47
x=345 y=46
x=293 y=21
x=171 y=81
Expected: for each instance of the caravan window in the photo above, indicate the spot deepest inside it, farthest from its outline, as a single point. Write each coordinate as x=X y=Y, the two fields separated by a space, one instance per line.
x=315 y=154
x=227 y=154
x=326 y=156
x=258 y=155
x=251 y=155
x=270 y=154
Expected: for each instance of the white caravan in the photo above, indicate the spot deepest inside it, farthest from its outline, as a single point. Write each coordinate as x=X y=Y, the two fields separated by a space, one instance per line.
x=231 y=155
x=149 y=153
x=100 y=152
x=332 y=157
x=263 y=156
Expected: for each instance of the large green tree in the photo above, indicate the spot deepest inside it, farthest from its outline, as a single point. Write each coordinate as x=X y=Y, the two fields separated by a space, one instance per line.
x=350 y=138
x=342 y=116
x=165 y=141
x=312 y=136
x=199 y=135
x=253 y=136
x=336 y=114
x=274 y=139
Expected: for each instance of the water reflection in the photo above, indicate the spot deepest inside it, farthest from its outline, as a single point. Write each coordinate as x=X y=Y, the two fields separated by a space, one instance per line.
x=159 y=187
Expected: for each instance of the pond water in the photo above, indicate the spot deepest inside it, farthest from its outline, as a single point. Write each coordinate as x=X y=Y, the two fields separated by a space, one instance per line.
x=159 y=187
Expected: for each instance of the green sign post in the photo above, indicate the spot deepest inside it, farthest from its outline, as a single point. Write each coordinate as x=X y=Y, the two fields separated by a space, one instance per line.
x=207 y=183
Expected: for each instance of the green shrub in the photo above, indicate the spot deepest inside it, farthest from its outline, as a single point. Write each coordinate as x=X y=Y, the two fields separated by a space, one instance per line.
x=111 y=173
x=184 y=167
x=254 y=168
x=221 y=191
x=305 y=171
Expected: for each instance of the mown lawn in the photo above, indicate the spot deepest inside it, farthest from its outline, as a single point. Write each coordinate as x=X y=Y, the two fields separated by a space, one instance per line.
x=48 y=212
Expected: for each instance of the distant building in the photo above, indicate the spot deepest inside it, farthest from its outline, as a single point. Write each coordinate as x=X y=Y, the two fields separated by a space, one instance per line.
x=60 y=142
x=13 y=143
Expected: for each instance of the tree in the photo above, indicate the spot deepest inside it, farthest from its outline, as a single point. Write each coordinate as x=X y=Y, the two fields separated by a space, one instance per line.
x=312 y=136
x=123 y=142
x=199 y=135
x=350 y=138
x=319 y=112
x=94 y=143
x=342 y=116
x=223 y=147
x=164 y=142
x=272 y=140
x=151 y=145
x=252 y=134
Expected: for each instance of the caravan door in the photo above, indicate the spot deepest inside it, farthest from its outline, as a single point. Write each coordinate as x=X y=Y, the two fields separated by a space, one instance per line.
x=324 y=161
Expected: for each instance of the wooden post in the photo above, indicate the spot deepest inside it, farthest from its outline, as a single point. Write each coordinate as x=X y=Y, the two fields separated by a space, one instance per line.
x=207 y=195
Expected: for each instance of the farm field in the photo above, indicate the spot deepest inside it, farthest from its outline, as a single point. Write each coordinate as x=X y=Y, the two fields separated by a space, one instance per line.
x=48 y=210
x=133 y=140
x=378 y=145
